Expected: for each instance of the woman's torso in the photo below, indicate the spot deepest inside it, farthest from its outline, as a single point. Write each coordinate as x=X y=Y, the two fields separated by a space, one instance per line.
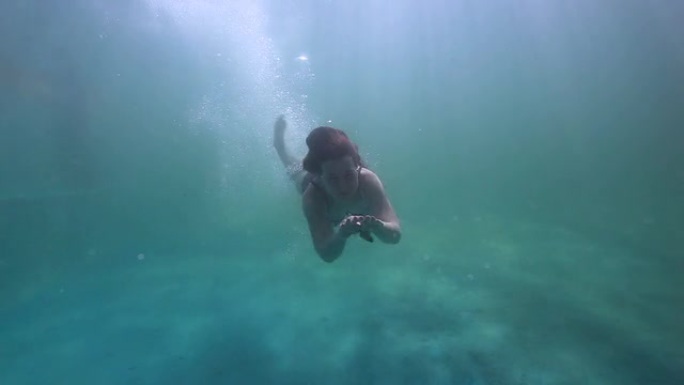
x=336 y=211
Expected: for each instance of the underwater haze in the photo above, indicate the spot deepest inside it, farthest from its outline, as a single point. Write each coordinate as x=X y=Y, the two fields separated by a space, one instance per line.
x=533 y=151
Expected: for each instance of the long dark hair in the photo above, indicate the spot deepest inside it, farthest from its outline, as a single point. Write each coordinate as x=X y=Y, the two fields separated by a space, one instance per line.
x=328 y=143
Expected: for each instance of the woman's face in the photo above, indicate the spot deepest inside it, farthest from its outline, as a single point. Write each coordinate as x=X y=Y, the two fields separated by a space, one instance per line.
x=340 y=177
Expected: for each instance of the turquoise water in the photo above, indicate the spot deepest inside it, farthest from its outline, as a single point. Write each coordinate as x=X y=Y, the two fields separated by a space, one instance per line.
x=532 y=149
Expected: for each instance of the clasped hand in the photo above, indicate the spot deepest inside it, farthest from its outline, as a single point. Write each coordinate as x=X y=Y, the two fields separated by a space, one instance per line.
x=353 y=224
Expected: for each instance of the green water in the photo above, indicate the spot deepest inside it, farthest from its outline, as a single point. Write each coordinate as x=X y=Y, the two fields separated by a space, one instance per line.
x=532 y=150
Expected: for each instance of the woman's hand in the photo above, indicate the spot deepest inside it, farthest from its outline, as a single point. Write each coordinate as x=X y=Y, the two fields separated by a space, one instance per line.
x=280 y=125
x=370 y=223
x=353 y=224
x=350 y=225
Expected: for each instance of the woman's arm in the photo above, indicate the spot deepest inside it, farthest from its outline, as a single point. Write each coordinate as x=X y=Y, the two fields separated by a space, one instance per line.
x=328 y=243
x=289 y=161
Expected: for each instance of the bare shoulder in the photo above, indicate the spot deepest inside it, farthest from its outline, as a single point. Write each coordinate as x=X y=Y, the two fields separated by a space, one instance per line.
x=374 y=192
x=370 y=180
x=372 y=187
